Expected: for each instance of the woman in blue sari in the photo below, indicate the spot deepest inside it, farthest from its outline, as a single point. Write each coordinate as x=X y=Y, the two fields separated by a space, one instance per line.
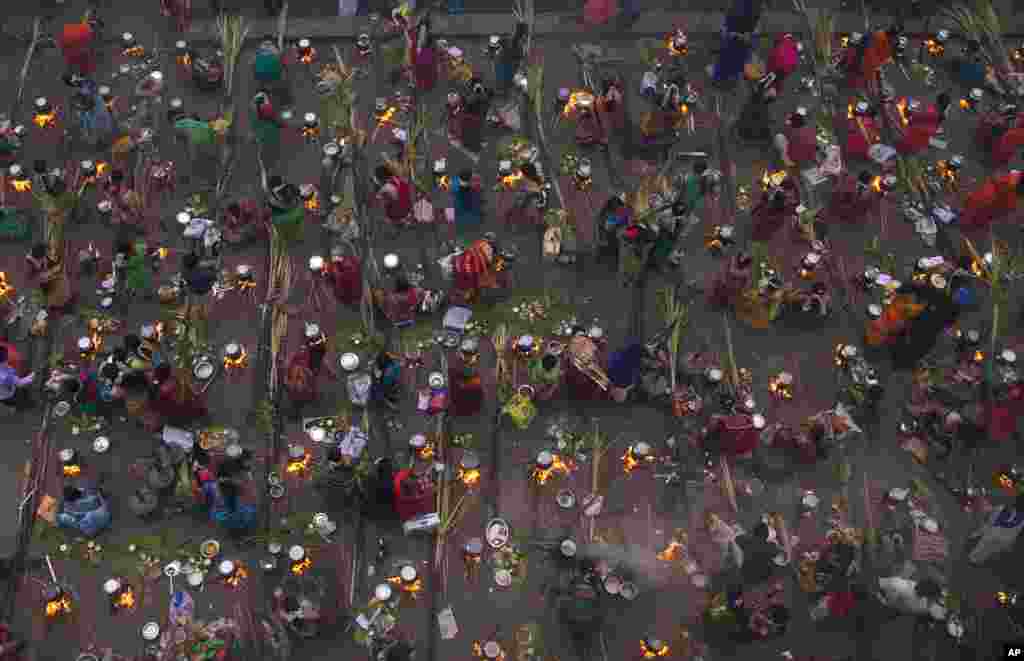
x=225 y=508
x=94 y=119
x=737 y=40
x=468 y=203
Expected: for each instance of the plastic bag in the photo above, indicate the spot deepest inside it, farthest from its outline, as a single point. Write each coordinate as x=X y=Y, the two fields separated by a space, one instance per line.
x=552 y=242
x=358 y=387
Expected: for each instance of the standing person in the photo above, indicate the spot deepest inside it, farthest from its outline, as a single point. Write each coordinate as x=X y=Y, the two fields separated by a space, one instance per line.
x=54 y=280
x=798 y=144
x=266 y=125
x=783 y=60
x=394 y=195
x=736 y=42
x=268 y=68
x=467 y=200
x=13 y=388
x=77 y=43
x=85 y=511
x=999 y=533
x=755 y=121
x=510 y=57
x=873 y=52
x=474 y=111
x=387 y=383
x=94 y=119
x=422 y=55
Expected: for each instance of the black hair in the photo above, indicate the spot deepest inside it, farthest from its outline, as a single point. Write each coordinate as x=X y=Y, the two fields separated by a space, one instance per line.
x=38 y=251
x=465 y=175
x=700 y=167
x=3 y=354
x=190 y=261
x=119 y=355
x=124 y=247
x=1020 y=186
x=132 y=342
x=39 y=166
x=235 y=209
x=275 y=181
x=1018 y=504
x=865 y=177
x=797 y=120
x=162 y=373
x=72 y=493
x=549 y=362
x=382 y=172
x=334 y=454
x=402 y=284
x=291 y=604
x=973 y=46
x=109 y=371
x=943 y=101
x=928 y=588
x=761 y=531
x=200 y=456
x=743 y=259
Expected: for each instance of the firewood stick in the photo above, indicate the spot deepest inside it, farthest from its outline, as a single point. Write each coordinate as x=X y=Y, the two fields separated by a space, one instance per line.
x=727 y=484
x=36 y=30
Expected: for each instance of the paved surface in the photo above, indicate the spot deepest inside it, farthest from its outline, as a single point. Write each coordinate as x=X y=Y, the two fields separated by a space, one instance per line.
x=640 y=512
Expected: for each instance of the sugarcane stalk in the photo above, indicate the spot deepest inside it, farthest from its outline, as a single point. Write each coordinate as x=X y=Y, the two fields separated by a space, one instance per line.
x=728 y=486
x=734 y=373
x=282 y=25
x=23 y=76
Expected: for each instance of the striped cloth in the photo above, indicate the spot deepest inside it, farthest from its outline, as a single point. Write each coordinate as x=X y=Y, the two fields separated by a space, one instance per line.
x=929 y=547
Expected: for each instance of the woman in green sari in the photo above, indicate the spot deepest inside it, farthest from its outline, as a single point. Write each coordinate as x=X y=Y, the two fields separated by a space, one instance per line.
x=689 y=201
x=287 y=214
x=266 y=125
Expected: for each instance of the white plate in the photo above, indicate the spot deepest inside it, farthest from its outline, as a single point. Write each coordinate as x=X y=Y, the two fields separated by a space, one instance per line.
x=101 y=444
x=151 y=631
x=172 y=569
x=930 y=525
x=436 y=380
x=568 y=548
x=408 y=573
x=195 y=579
x=111 y=586
x=629 y=591
x=296 y=553
x=226 y=568
x=382 y=592
x=612 y=584
x=503 y=578
x=203 y=370
x=349 y=361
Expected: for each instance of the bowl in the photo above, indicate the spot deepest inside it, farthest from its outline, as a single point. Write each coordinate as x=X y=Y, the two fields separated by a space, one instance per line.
x=642 y=449
x=172 y=569
x=568 y=548
x=436 y=380
x=111 y=586
x=566 y=499
x=503 y=578
x=408 y=573
x=492 y=650
x=276 y=491
x=101 y=444
x=391 y=261
x=612 y=584
x=382 y=592
x=317 y=434
x=61 y=409
x=629 y=591
x=226 y=567
x=349 y=362
x=274 y=548
x=296 y=553
x=195 y=579
x=150 y=631
x=525 y=343
x=418 y=441
x=498 y=533
x=203 y=370
x=209 y=549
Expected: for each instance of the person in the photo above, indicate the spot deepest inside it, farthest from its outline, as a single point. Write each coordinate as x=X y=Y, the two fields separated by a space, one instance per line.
x=467 y=200
x=287 y=215
x=585 y=376
x=546 y=376
x=174 y=400
x=244 y=219
x=999 y=533
x=922 y=597
x=222 y=497
x=666 y=117
x=13 y=388
x=477 y=101
x=598 y=12
x=734 y=278
x=917 y=129
x=798 y=145
x=467 y=390
x=387 y=380
x=611 y=106
x=733 y=434
x=301 y=615
x=863 y=131
x=345 y=276
x=624 y=369
x=510 y=57
x=525 y=212
x=198 y=277
x=776 y=206
x=755 y=121
x=84 y=510
x=266 y=125
x=180 y=11
x=854 y=198
x=10 y=143
x=422 y=55
x=590 y=126
x=268 y=66
x=401 y=304
x=816 y=303
x=1006 y=143
x=474 y=271
x=76 y=43
x=783 y=60
x=301 y=382
x=872 y=53
x=394 y=194
x=736 y=40
x=724 y=536
x=53 y=277
x=138 y=273
x=993 y=200
x=969 y=67
x=759 y=553
x=413 y=492
x=94 y=119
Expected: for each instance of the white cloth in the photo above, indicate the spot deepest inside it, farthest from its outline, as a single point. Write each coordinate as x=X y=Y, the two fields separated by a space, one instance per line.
x=899 y=594
x=994 y=539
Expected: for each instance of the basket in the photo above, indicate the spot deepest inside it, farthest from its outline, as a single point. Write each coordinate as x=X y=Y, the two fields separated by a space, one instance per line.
x=14 y=226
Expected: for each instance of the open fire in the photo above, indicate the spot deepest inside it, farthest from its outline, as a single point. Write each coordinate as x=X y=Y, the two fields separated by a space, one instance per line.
x=469 y=477
x=21 y=185
x=652 y=649
x=558 y=466
x=58 y=606
x=45 y=120
x=236 y=361
x=125 y=600
x=674 y=551
x=237 y=577
x=6 y=290
x=510 y=181
x=300 y=465
x=302 y=566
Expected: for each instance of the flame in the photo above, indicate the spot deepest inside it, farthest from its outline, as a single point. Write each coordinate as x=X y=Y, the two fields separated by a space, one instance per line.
x=935 y=49
x=237 y=363
x=299 y=465
x=629 y=460
x=387 y=116
x=684 y=109
x=185 y=60
x=307 y=55
x=236 y=578
x=162 y=253
x=313 y=203
x=901 y=108
x=310 y=131
x=674 y=551
x=126 y=600
x=134 y=51
x=1005 y=598
x=301 y=567
x=21 y=185
x=512 y=180
x=6 y=290
x=849 y=111
x=45 y=120
x=779 y=388
x=57 y=607
x=444 y=183
x=1005 y=482
x=469 y=477
x=876 y=184
x=72 y=470
x=574 y=100
x=965 y=104
x=979 y=356
x=558 y=466
x=844 y=41
x=677 y=51
x=101 y=168
x=652 y=653
x=478 y=651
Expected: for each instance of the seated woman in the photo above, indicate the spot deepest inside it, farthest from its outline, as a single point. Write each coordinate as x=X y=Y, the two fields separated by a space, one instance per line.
x=84 y=510
x=590 y=125
x=387 y=380
x=922 y=597
x=969 y=67
x=300 y=614
x=53 y=277
x=401 y=303
x=345 y=275
x=734 y=435
x=474 y=270
x=244 y=219
x=756 y=117
x=610 y=106
x=615 y=216
x=853 y=198
x=783 y=60
x=776 y=206
x=301 y=382
x=546 y=376
x=936 y=313
x=421 y=54
x=728 y=285
x=287 y=215
x=222 y=497
x=470 y=123
x=526 y=213
x=999 y=533
x=394 y=195
x=466 y=389
x=100 y=391
x=624 y=369
x=413 y=492
x=993 y=200
x=174 y=401
x=863 y=131
x=10 y=143
x=663 y=120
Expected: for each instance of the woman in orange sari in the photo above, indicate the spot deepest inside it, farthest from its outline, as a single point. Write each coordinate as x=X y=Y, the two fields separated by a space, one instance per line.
x=76 y=44
x=896 y=317
x=876 y=53
x=993 y=200
x=474 y=270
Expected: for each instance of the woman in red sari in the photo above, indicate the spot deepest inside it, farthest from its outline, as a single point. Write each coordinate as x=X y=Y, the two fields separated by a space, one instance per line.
x=474 y=271
x=1007 y=145
x=853 y=199
x=798 y=145
x=175 y=401
x=346 y=279
x=422 y=55
x=730 y=283
x=76 y=43
x=917 y=129
x=609 y=105
x=467 y=391
x=1006 y=407
x=875 y=52
x=401 y=304
x=300 y=381
x=991 y=201
x=862 y=131
x=413 y=492
x=993 y=125
x=394 y=195
x=775 y=207
x=525 y=212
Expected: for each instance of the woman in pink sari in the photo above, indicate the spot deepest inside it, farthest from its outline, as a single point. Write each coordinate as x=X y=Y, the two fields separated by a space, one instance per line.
x=422 y=55
x=782 y=61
